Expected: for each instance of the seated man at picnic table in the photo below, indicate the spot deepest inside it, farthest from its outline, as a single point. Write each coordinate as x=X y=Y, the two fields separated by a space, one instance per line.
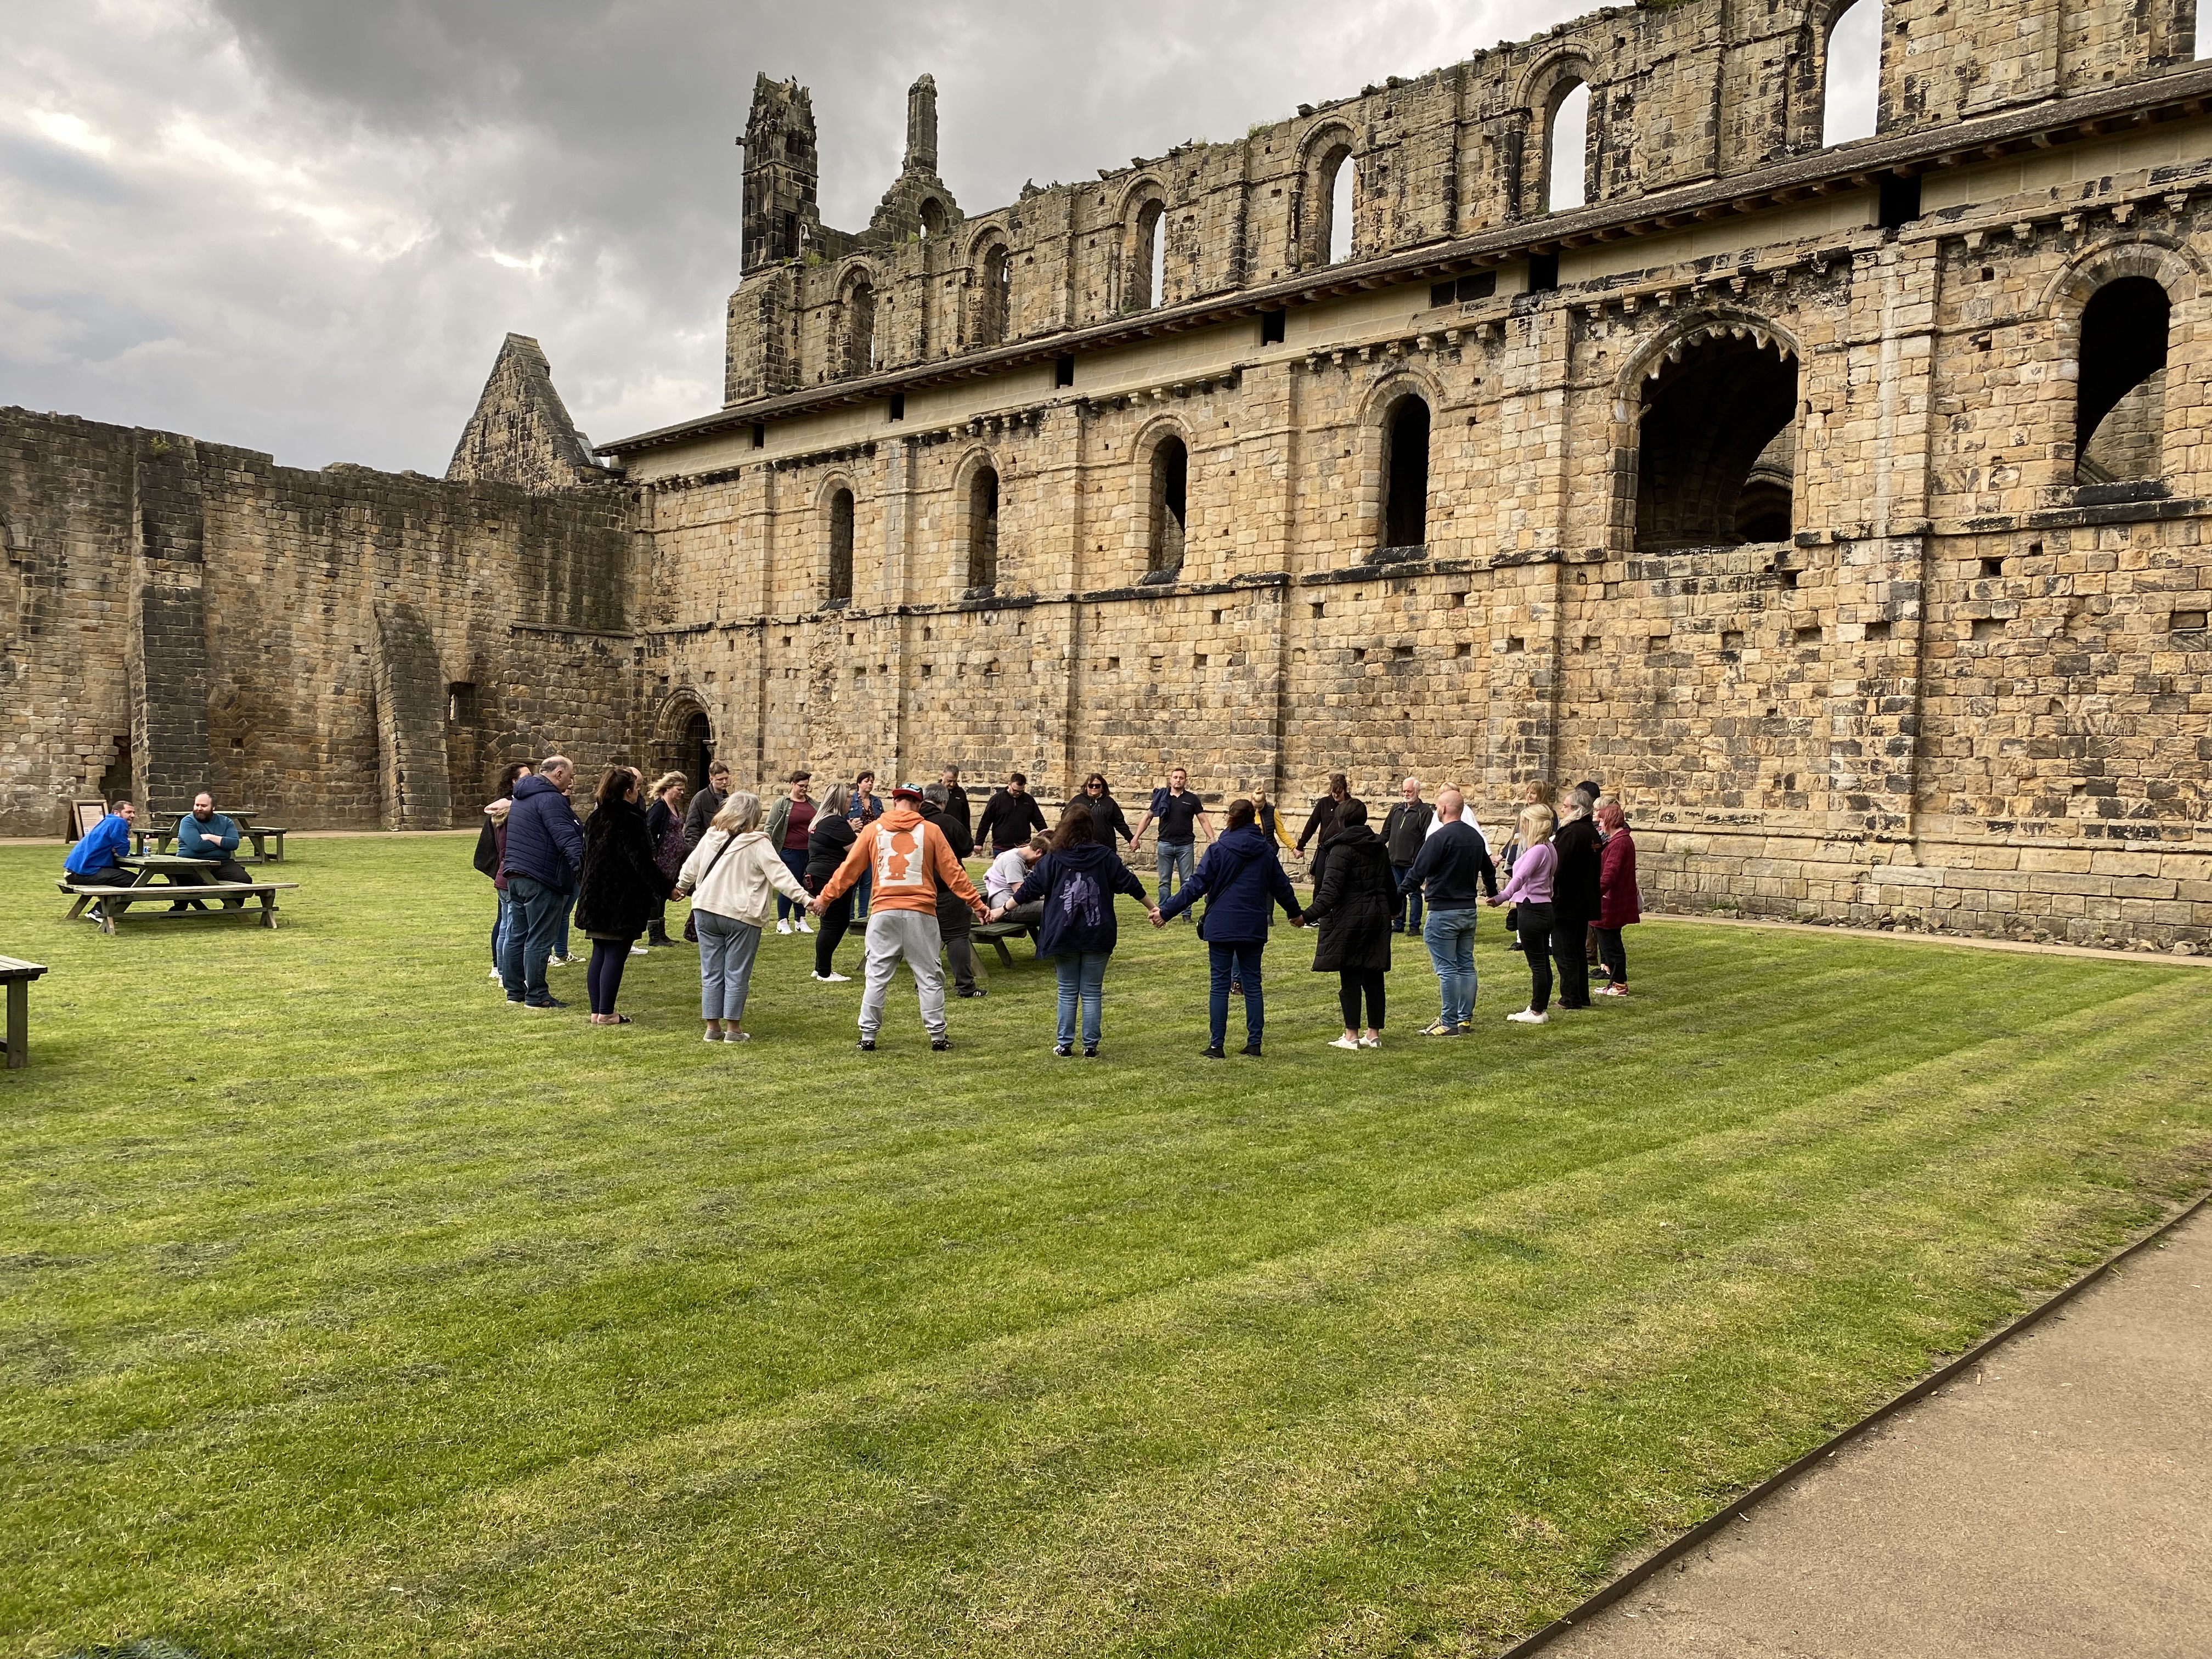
x=92 y=861
x=204 y=833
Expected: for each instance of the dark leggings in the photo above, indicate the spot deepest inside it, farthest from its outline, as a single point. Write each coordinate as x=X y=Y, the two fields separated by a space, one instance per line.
x=1350 y=982
x=836 y=920
x=603 y=978
x=1537 y=943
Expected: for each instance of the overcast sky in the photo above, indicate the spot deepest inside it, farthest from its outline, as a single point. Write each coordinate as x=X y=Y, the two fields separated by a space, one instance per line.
x=304 y=225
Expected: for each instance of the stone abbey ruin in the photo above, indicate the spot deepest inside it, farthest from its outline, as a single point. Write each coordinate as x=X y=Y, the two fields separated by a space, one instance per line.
x=1842 y=508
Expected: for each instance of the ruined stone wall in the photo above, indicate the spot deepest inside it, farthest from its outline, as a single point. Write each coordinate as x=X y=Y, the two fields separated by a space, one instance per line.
x=342 y=648
x=1956 y=694
x=1679 y=93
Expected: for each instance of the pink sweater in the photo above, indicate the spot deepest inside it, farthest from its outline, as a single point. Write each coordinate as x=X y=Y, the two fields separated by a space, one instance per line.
x=1532 y=877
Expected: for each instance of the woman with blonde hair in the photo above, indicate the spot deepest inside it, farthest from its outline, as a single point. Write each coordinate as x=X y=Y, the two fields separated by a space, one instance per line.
x=1529 y=892
x=733 y=878
x=663 y=822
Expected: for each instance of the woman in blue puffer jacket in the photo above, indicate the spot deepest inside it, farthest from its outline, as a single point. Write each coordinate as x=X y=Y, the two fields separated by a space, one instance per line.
x=1241 y=881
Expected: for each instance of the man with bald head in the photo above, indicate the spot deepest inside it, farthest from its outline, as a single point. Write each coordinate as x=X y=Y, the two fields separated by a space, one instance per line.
x=1453 y=870
x=204 y=833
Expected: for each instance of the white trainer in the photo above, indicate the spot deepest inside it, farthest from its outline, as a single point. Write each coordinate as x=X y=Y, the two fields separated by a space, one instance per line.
x=1344 y=1042
x=1370 y=1043
x=1530 y=1016
x=783 y=928
x=834 y=979
x=801 y=925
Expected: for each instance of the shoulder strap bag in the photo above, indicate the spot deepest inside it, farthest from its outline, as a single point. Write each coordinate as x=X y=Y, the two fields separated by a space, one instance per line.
x=692 y=916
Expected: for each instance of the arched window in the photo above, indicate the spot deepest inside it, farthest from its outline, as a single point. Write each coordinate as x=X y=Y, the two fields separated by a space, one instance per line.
x=932 y=218
x=1716 y=445
x=1341 y=177
x=1171 y=488
x=983 y=530
x=2119 y=389
x=1566 y=146
x=995 y=294
x=1406 y=474
x=860 y=326
x=1850 y=73
x=841 y=547
x=1152 y=254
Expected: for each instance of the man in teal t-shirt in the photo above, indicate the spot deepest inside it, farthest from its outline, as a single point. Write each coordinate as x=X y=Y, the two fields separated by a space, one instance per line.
x=204 y=833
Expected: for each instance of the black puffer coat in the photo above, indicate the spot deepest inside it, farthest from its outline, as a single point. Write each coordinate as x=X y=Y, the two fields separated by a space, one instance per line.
x=1354 y=906
x=620 y=879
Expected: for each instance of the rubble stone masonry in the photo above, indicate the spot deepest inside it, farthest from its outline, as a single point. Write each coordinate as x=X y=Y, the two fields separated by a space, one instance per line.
x=1841 y=510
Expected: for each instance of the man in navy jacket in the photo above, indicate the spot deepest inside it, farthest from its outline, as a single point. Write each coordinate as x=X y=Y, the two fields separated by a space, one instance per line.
x=545 y=851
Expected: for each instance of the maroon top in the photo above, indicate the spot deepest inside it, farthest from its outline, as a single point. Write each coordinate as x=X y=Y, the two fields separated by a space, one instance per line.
x=800 y=823
x=1617 y=903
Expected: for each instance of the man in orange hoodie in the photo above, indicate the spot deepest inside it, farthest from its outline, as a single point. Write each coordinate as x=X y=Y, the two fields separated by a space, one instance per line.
x=907 y=859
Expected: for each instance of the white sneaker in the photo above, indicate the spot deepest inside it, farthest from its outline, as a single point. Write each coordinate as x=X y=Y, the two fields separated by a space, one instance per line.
x=1530 y=1016
x=801 y=925
x=1370 y=1043
x=1344 y=1042
x=783 y=928
x=639 y=950
x=834 y=979
x=495 y=975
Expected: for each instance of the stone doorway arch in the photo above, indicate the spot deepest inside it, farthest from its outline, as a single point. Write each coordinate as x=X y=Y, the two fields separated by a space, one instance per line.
x=684 y=739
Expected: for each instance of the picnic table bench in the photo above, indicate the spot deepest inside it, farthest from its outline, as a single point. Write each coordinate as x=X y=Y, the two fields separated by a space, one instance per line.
x=17 y=977
x=996 y=933
x=184 y=885
x=158 y=833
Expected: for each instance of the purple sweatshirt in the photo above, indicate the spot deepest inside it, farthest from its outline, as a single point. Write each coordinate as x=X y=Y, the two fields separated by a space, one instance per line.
x=1531 y=882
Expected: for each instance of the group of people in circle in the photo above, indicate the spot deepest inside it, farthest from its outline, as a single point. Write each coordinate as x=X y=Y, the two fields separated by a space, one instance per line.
x=895 y=868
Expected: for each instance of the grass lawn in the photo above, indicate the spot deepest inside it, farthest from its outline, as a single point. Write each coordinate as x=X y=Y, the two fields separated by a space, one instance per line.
x=344 y=1310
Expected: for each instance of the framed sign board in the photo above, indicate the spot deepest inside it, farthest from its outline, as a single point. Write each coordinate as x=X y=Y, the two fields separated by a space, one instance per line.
x=85 y=817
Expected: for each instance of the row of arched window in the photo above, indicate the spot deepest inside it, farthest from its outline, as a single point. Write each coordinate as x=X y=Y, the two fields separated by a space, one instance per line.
x=1715 y=440
x=1326 y=211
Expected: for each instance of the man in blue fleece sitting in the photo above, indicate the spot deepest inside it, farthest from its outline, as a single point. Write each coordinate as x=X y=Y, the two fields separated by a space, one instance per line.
x=204 y=833
x=92 y=861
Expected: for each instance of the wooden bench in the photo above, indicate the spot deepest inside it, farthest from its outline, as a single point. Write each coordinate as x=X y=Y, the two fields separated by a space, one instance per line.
x=996 y=933
x=17 y=977
x=115 y=902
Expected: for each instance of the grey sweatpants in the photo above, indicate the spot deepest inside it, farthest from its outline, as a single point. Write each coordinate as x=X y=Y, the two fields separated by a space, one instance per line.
x=893 y=934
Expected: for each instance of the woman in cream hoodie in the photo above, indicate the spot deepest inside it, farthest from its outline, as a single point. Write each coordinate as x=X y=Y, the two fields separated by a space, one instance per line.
x=733 y=878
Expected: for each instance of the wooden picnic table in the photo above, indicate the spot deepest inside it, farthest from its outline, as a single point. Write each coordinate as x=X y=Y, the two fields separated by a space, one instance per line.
x=17 y=976
x=159 y=832
x=186 y=883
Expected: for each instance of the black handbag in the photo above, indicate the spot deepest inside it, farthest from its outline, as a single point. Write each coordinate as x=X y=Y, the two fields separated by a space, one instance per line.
x=691 y=916
x=1512 y=918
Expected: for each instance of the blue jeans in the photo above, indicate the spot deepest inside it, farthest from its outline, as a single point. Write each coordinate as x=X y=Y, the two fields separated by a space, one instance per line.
x=726 y=949
x=535 y=913
x=1178 y=859
x=1082 y=980
x=1450 y=936
x=1410 y=896
x=786 y=908
x=1240 y=961
x=561 y=939
x=499 y=928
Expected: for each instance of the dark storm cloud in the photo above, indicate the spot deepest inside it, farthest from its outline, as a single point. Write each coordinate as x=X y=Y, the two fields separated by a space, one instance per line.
x=304 y=225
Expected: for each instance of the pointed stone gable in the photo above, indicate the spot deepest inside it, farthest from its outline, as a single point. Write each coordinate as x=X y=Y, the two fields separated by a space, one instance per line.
x=521 y=434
